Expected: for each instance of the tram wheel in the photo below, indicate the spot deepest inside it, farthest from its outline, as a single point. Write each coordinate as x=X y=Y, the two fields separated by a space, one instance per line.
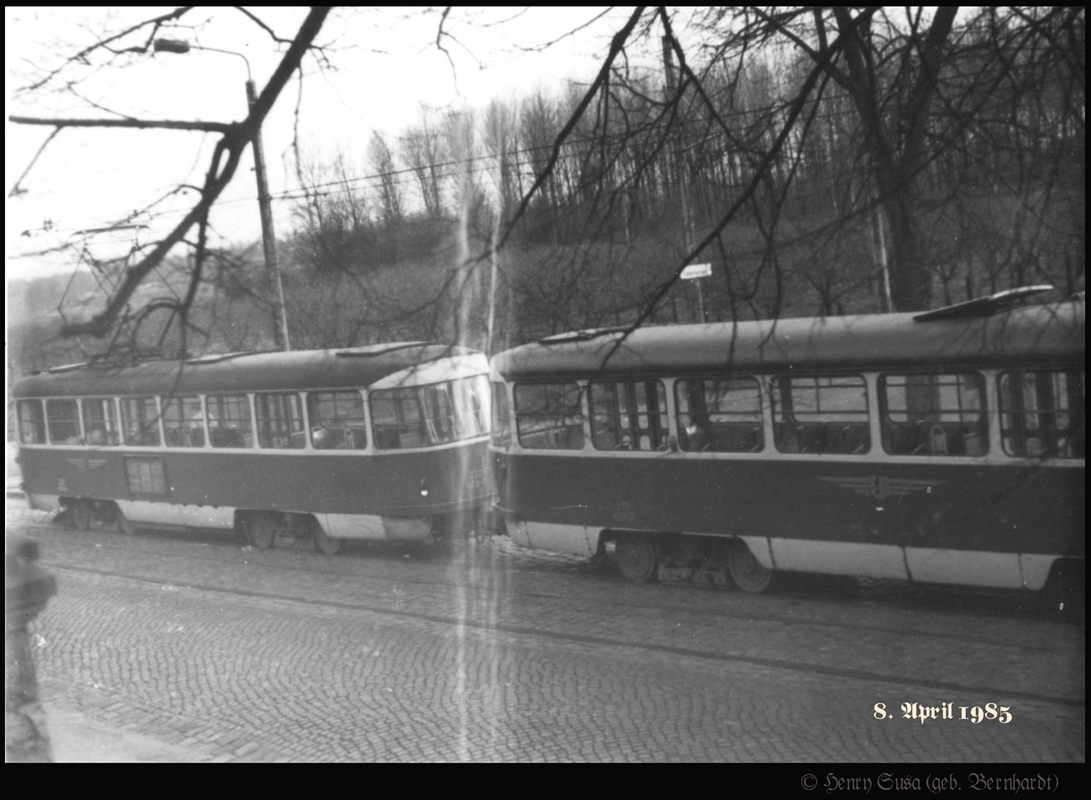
x=83 y=514
x=747 y=572
x=323 y=542
x=719 y=564
x=261 y=530
x=636 y=557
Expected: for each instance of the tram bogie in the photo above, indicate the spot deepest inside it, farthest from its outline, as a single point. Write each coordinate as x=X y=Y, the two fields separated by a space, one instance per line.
x=647 y=556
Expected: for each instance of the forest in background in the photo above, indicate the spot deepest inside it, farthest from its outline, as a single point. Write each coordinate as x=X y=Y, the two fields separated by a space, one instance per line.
x=807 y=195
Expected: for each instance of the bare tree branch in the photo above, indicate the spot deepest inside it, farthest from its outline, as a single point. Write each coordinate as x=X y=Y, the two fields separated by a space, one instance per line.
x=261 y=24
x=228 y=150
x=440 y=33
x=81 y=56
x=18 y=189
x=566 y=35
x=166 y=124
x=616 y=46
x=816 y=73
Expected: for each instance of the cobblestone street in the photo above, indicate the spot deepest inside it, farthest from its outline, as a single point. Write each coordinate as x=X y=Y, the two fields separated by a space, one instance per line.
x=551 y=385
x=478 y=651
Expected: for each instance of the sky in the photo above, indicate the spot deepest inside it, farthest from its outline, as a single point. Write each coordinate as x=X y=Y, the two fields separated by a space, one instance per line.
x=383 y=67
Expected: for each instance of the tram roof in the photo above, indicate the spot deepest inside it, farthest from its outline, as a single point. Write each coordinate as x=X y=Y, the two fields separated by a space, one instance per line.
x=238 y=372
x=1040 y=334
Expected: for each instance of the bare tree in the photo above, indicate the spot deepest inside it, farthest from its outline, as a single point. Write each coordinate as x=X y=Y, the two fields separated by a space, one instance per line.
x=422 y=151
x=390 y=191
x=775 y=108
x=823 y=160
x=234 y=138
x=334 y=226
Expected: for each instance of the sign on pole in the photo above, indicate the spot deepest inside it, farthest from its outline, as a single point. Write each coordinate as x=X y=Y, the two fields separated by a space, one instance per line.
x=696 y=271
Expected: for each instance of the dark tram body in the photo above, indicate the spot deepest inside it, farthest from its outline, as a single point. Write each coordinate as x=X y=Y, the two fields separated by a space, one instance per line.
x=386 y=442
x=939 y=448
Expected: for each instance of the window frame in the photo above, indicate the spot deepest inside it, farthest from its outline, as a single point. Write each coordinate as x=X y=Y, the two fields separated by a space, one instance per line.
x=52 y=422
x=941 y=429
x=142 y=471
x=143 y=425
x=721 y=430
x=286 y=410
x=1053 y=441
x=110 y=428
x=183 y=424
x=402 y=425
x=42 y=436
x=819 y=431
x=552 y=434
x=439 y=413
x=440 y=416
x=632 y=416
x=231 y=436
x=343 y=432
x=472 y=421
x=501 y=428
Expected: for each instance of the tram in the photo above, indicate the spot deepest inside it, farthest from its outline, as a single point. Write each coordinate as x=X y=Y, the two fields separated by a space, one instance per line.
x=941 y=447
x=383 y=443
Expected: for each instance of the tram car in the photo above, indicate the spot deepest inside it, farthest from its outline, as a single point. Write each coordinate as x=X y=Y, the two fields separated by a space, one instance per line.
x=383 y=443
x=941 y=447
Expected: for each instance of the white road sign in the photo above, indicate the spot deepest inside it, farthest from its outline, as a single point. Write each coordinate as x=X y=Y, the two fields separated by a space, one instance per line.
x=696 y=271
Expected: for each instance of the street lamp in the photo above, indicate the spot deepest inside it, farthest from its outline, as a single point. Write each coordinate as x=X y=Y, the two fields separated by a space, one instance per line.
x=280 y=317
x=681 y=168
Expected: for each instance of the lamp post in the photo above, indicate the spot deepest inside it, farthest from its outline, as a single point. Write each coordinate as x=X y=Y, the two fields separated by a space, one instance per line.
x=268 y=236
x=682 y=169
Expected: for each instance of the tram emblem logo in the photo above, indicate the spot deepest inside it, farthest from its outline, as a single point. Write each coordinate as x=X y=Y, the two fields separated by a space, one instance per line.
x=86 y=464
x=880 y=487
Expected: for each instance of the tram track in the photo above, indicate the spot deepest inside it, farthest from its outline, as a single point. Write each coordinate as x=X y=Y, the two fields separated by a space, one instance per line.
x=340 y=566
x=392 y=596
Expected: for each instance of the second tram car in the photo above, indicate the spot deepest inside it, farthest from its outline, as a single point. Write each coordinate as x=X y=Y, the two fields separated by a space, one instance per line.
x=386 y=442
x=944 y=447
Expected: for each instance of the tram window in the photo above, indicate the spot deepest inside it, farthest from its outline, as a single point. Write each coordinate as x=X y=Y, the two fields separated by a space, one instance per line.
x=146 y=476
x=469 y=394
x=1042 y=414
x=501 y=415
x=183 y=422
x=337 y=420
x=100 y=422
x=629 y=415
x=64 y=421
x=934 y=414
x=548 y=416
x=229 y=422
x=31 y=422
x=140 y=421
x=439 y=413
x=280 y=421
x=820 y=414
x=397 y=419
x=719 y=415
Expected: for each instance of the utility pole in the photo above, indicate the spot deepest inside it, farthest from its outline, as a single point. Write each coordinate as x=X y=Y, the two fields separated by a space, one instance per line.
x=683 y=180
x=268 y=235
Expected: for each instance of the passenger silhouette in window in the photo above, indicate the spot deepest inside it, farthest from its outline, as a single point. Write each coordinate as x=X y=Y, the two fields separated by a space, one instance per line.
x=698 y=439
